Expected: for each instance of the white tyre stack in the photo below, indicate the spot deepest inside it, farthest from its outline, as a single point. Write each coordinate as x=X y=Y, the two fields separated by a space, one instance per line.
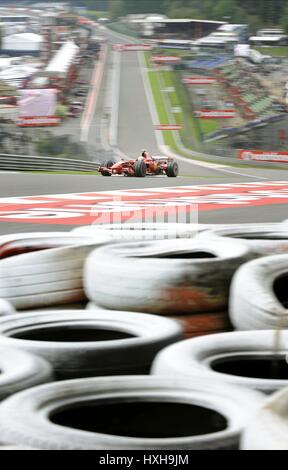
x=19 y=243
x=268 y=428
x=44 y=278
x=128 y=413
x=84 y=343
x=262 y=240
x=6 y=308
x=164 y=277
x=144 y=231
x=20 y=370
x=253 y=359
x=259 y=295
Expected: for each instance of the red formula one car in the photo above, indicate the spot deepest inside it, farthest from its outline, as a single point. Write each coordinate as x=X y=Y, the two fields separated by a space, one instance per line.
x=143 y=166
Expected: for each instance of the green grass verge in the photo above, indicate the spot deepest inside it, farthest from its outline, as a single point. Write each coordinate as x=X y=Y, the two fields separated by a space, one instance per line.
x=98 y=14
x=209 y=125
x=168 y=79
x=123 y=29
x=279 y=51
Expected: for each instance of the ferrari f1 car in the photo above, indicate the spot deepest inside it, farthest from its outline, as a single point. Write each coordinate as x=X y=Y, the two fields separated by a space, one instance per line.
x=141 y=167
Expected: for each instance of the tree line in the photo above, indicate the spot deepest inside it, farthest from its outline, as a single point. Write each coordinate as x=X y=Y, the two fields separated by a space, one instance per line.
x=257 y=13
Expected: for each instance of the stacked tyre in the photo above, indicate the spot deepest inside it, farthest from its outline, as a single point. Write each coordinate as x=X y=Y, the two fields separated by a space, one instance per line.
x=44 y=278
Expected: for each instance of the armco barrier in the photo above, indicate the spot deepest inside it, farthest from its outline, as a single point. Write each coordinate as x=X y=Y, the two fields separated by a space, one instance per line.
x=31 y=163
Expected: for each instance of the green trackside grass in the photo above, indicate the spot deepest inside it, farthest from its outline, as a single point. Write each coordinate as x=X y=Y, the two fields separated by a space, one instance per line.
x=175 y=52
x=98 y=14
x=159 y=80
x=209 y=125
x=279 y=51
x=161 y=109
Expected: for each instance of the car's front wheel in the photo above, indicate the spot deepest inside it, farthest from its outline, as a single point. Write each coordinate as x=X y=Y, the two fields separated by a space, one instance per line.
x=107 y=164
x=140 y=169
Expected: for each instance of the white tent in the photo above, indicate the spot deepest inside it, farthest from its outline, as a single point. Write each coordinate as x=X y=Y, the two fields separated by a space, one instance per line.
x=63 y=59
x=25 y=42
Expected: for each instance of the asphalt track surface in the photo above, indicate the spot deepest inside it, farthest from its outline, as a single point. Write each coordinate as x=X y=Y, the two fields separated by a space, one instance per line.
x=135 y=131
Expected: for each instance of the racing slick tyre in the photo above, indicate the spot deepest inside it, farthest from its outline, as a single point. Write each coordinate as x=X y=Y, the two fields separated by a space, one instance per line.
x=253 y=359
x=45 y=278
x=108 y=164
x=172 y=169
x=91 y=343
x=262 y=240
x=20 y=370
x=140 y=169
x=268 y=428
x=165 y=276
x=259 y=296
x=129 y=413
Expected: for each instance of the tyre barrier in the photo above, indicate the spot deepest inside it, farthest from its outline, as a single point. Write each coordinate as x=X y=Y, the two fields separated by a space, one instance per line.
x=253 y=359
x=259 y=296
x=268 y=429
x=196 y=324
x=44 y=278
x=144 y=231
x=14 y=448
x=93 y=306
x=83 y=344
x=164 y=277
x=200 y=324
x=21 y=370
x=20 y=243
x=6 y=308
x=261 y=239
x=128 y=413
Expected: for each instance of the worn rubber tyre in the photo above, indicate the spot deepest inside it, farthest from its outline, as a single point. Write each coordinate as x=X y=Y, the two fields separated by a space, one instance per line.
x=268 y=428
x=143 y=231
x=262 y=240
x=20 y=370
x=45 y=278
x=140 y=169
x=258 y=298
x=204 y=323
x=20 y=243
x=172 y=169
x=6 y=308
x=128 y=413
x=245 y=358
x=166 y=277
x=90 y=343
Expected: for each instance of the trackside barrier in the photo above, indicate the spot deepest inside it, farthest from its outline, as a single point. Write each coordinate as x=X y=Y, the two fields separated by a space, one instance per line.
x=31 y=163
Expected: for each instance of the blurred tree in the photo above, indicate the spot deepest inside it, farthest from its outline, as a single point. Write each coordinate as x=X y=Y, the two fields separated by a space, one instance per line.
x=284 y=19
x=117 y=9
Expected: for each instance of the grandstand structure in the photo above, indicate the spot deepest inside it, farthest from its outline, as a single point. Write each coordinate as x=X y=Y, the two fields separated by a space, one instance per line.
x=246 y=91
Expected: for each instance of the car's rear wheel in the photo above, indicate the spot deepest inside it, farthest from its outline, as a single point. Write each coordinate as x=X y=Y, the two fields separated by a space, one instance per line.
x=140 y=169
x=172 y=169
x=107 y=164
